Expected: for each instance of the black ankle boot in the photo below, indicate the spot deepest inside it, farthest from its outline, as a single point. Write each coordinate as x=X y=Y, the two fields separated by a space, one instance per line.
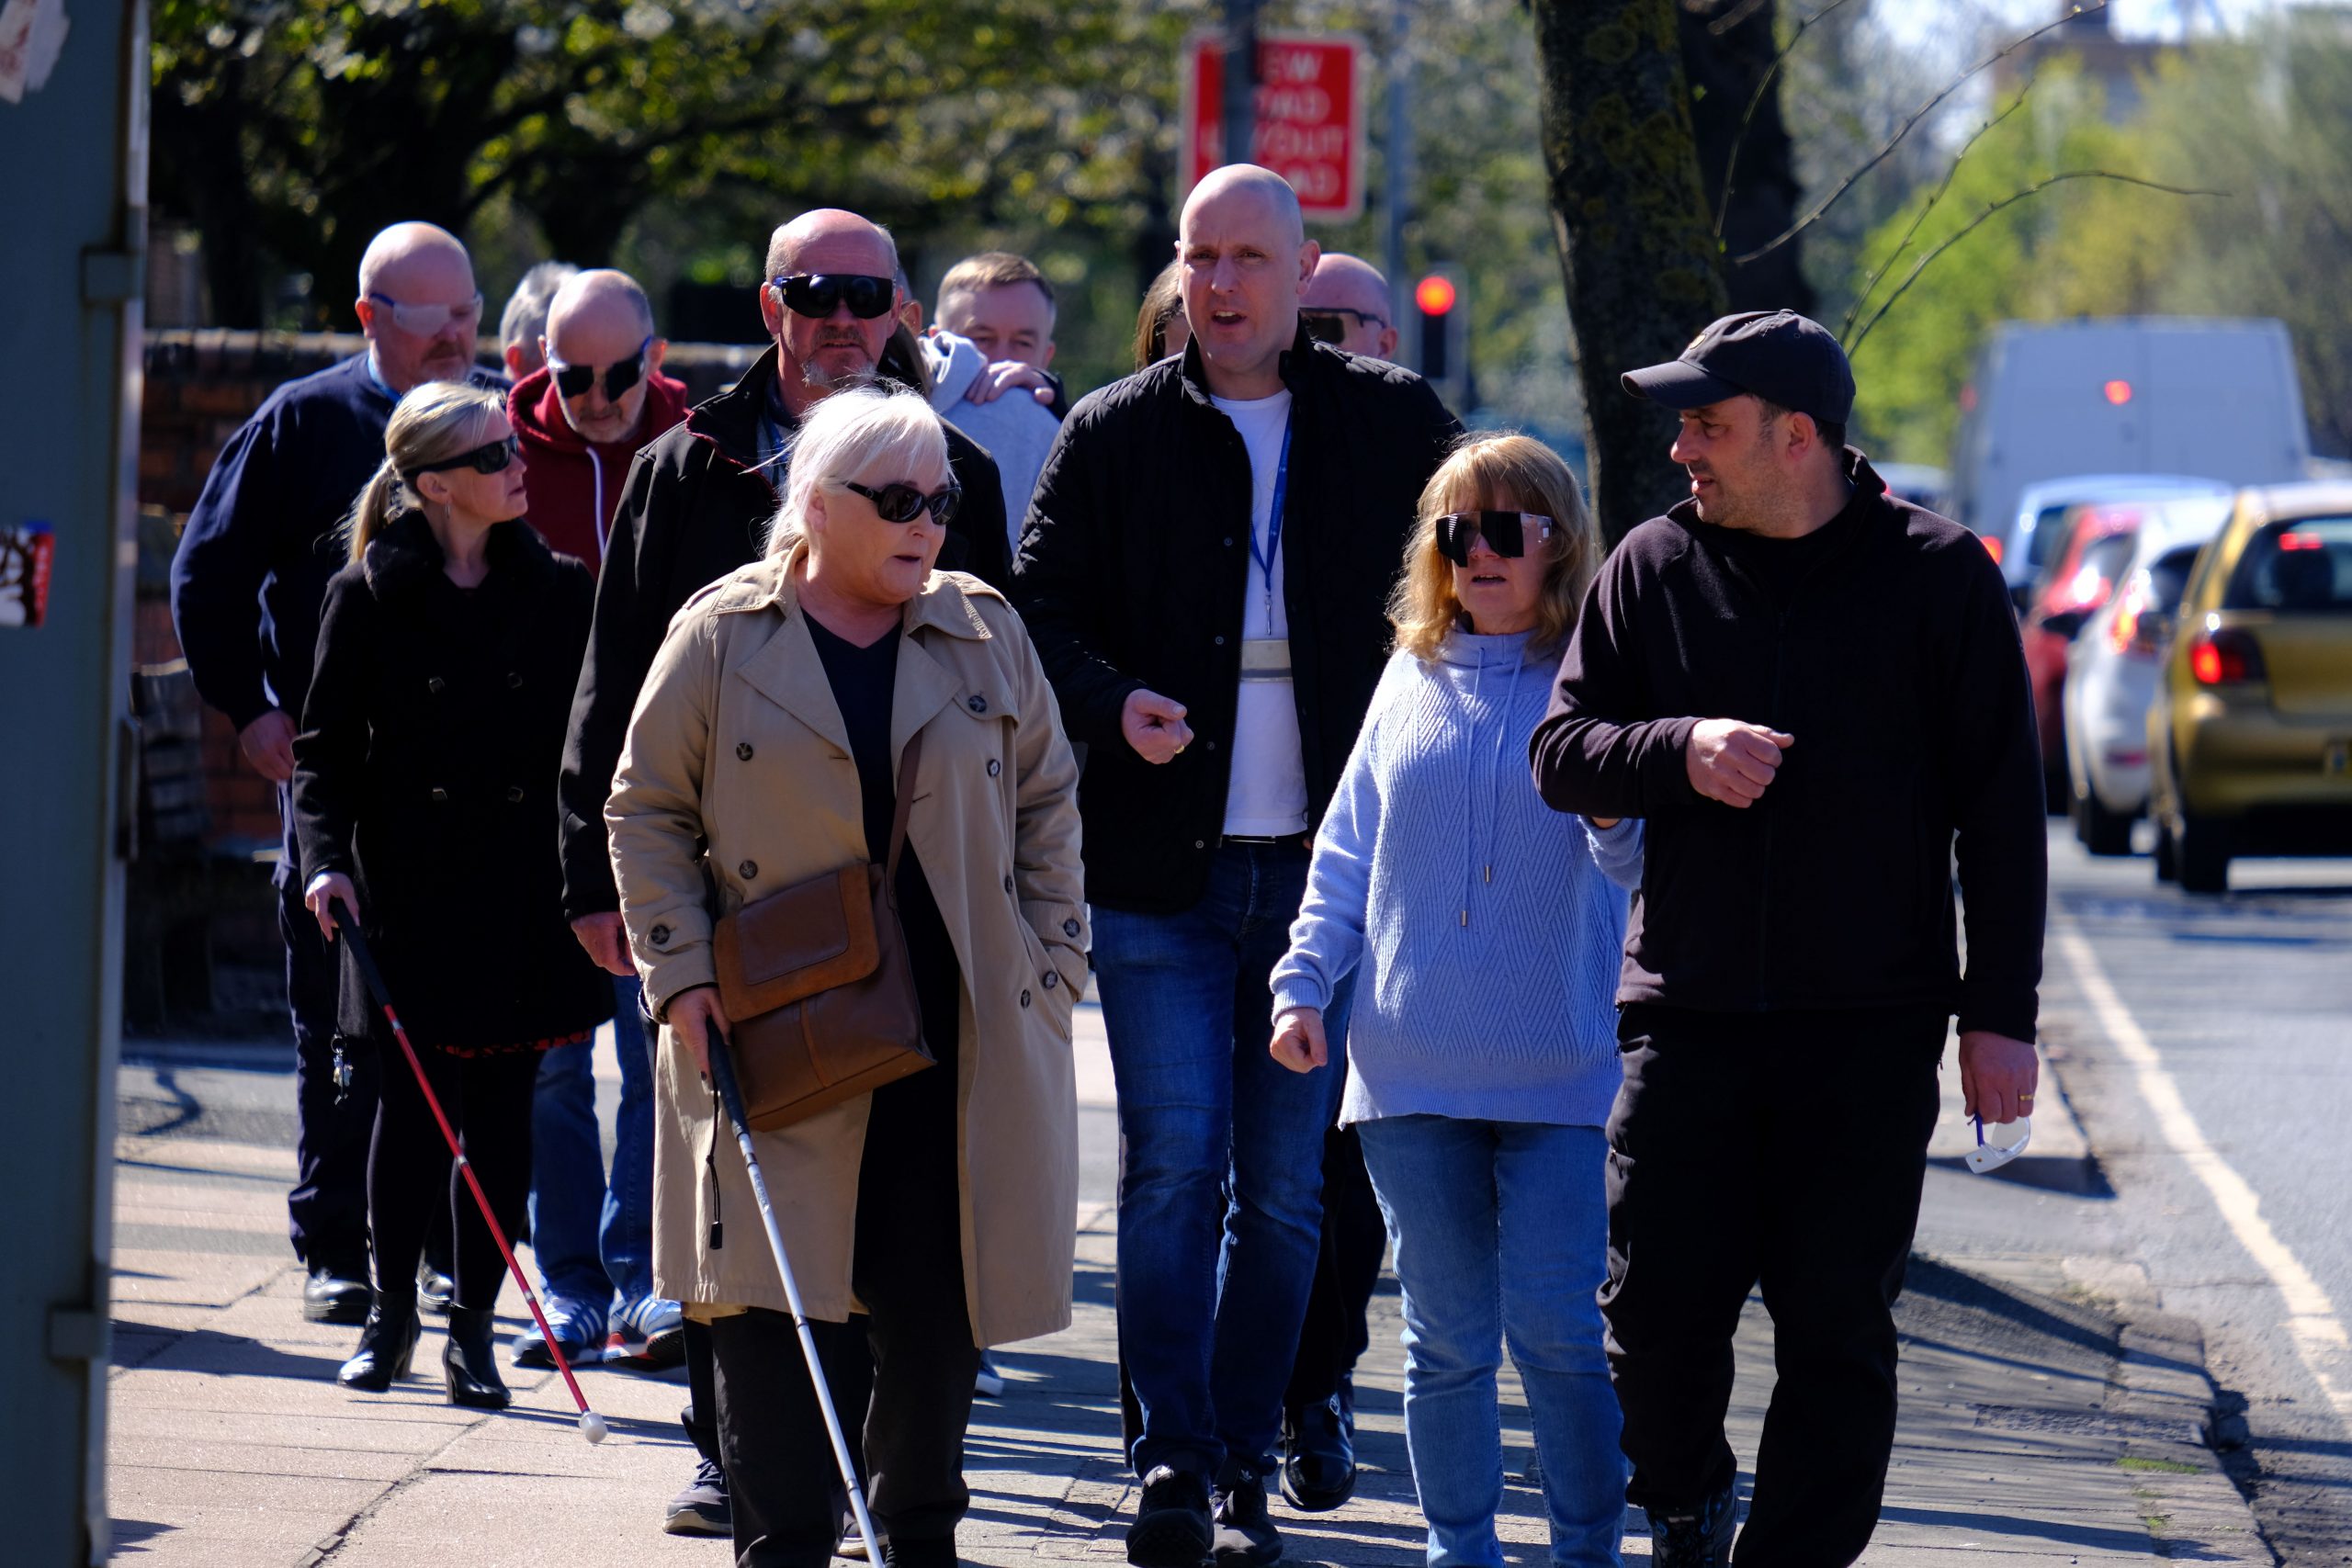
x=387 y=1345
x=470 y=1362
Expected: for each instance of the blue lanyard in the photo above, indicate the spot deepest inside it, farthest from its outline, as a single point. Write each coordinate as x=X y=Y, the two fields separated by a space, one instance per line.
x=1274 y=528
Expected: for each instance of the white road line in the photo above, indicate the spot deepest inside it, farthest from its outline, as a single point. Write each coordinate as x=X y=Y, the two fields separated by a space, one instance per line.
x=2312 y=1319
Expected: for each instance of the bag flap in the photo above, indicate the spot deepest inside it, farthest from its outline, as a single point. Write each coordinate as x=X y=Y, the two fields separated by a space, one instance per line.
x=808 y=938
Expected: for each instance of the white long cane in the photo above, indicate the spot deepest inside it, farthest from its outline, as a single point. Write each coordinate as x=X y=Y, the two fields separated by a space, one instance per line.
x=723 y=1074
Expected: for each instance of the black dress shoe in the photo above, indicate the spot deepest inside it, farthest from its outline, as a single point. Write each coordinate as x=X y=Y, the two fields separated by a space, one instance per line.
x=435 y=1290
x=1320 y=1456
x=469 y=1363
x=387 y=1345
x=1171 y=1528
x=334 y=1293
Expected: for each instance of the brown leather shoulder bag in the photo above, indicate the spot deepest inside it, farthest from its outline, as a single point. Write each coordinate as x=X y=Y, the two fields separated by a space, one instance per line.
x=817 y=981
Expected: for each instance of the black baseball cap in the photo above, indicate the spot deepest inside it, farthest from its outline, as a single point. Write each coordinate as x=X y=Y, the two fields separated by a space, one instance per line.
x=1777 y=356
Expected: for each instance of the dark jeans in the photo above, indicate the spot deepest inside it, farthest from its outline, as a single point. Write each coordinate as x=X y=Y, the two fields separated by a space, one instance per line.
x=1347 y=1270
x=1220 y=1203
x=327 y=1209
x=411 y=1175
x=1788 y=1152
x=914 y=1350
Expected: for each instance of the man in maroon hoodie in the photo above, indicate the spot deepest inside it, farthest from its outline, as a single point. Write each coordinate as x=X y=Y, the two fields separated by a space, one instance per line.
x=582 y=418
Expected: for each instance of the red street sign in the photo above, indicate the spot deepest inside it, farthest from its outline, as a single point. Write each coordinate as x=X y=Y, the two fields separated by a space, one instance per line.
x=1310 y=117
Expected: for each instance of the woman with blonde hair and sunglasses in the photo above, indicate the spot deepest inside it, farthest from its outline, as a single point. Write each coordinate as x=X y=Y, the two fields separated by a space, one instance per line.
x=424 y=801
x=1482 y=1054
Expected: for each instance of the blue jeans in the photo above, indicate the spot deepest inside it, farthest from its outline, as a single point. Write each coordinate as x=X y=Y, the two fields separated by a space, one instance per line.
x=594 y=1243
x=1220 y=1208
x=1502 y=1235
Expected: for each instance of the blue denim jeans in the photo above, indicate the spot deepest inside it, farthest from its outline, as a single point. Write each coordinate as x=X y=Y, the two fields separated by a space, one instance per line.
x=1502 y=1236
x=594 y=1242
x=624 y=1235
x=1220 y=1207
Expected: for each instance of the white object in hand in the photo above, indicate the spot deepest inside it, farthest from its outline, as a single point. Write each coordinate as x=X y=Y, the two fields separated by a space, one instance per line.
x=2000 y=1143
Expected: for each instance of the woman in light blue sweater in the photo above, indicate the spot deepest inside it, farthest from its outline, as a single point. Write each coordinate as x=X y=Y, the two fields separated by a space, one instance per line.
x=1482 y=1054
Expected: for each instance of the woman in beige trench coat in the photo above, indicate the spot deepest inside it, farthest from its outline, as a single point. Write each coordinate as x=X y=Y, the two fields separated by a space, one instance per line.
x=764 y=751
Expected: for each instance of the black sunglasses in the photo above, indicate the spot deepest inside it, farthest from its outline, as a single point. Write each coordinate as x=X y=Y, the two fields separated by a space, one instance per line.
x=818 y=294
x=490 y=457
x=902 y=503
x=573 y=380
x=1323 y=323
x=1505 y=532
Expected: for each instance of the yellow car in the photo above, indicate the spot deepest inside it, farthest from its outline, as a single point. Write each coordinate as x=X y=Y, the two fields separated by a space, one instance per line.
x=2250 y=736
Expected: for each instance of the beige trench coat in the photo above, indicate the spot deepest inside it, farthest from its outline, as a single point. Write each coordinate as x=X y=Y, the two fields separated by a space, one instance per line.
x=736 y=740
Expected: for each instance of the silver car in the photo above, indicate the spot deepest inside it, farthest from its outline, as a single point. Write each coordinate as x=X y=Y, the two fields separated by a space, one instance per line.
x=2112 y=670
x=2032 y=536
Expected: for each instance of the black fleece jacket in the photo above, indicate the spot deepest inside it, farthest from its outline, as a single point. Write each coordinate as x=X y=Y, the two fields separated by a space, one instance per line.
x=1891 y=656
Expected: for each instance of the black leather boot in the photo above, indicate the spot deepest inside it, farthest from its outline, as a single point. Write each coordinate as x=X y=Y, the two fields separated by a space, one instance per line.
x=387 y=1345
x=470 y=1362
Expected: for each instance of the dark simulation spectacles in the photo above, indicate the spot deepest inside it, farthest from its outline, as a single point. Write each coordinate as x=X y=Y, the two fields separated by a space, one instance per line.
x=573 y=380
x=490 y=458
x=818 y=294
x=1324 y=325
x=902 y=503
x=1505 y=532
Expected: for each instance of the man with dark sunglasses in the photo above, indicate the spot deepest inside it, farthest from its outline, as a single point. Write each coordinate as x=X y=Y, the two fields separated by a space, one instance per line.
x=247 y=584
x=1348 y=307
x=696 y=505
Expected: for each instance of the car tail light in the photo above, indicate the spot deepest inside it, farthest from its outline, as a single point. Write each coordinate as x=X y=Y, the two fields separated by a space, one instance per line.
x=2133 y=630
x=2225 y=656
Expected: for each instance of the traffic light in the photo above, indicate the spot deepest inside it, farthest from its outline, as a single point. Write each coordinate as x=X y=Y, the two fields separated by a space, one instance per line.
x=1443 y=313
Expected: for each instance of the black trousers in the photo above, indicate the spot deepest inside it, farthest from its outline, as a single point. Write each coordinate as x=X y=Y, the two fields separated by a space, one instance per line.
x=1788 y=1152
x=1334 y=1336
x=913 y=1348
x=327 y=1209
x=410 y=1179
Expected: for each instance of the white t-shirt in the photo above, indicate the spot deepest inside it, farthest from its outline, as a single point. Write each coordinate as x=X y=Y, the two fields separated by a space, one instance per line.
x=1266 y=796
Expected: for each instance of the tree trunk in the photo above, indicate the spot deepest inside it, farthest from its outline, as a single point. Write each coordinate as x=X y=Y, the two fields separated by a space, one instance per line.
x=1636 y=248
x=1724 y=69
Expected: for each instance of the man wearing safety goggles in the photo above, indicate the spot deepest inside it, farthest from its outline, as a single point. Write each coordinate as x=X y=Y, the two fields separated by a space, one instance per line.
x=266 y=532
x=696 y=506
x=600 y=398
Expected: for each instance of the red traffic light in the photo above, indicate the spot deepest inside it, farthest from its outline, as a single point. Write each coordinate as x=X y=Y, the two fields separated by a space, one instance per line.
x=2118 y=393
x=1434 y=294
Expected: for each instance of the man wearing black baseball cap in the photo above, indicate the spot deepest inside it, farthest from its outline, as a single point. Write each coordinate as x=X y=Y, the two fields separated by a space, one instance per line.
x=1811 y=692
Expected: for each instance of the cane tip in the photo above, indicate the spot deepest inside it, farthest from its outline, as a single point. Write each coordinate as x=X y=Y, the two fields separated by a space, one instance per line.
x=593 y=1427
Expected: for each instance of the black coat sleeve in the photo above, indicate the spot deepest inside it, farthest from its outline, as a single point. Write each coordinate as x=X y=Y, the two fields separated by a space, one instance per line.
x=330 y=751
x=1601 y=748
x=2002 y=844
x=626 y=627
x=1060 y=576
x=225 y=553
x=980 y=520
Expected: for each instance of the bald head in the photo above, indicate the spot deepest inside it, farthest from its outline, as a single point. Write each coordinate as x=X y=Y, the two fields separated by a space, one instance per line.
x=1350 y=295
x=830 y=239
x=1247 y=262
x=418 y=305
x=602 y=302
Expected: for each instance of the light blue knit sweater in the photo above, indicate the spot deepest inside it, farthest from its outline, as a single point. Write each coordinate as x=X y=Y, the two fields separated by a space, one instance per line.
x=1487 y=923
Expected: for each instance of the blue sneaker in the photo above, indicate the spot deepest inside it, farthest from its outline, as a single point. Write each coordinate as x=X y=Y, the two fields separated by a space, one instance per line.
x=650 y=1333
x=579 y=1328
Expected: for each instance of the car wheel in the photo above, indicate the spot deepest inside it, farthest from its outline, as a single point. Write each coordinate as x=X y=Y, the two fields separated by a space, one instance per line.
x=2202 y=855
x=2103 y=832
x=2167 y=857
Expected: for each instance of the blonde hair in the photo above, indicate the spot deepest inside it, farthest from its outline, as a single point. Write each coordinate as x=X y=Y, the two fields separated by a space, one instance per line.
x=1161 y=303
x=434 y=423
x=846 y=436
x=1481 y=473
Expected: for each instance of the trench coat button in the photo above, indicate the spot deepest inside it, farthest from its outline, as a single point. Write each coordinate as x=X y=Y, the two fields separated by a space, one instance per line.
x=748 y=869
x=440 y=797
x=1220 y=642
x=1052 y=979
x=978 y=704
x=995 y=767
x=514 y=795
x=742 y=751
x=513 y=680
x=660 y=935
x=1008 y=884
x=436 y=685
x=1069 y=930
x=1024 y=998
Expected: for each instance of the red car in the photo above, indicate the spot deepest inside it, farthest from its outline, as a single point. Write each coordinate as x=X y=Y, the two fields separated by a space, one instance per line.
x=2094 y=546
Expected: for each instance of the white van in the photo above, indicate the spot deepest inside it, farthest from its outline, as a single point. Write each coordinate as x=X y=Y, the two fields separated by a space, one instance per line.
x=2170 y=395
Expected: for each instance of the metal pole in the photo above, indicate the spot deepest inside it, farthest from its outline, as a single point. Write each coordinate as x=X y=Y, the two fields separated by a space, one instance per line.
x=73 y=174
x=1240 y=79
x=1398 y=161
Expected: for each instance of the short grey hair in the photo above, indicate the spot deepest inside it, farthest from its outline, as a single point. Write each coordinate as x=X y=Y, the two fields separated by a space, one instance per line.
x=524 y=320
x=852 y=434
